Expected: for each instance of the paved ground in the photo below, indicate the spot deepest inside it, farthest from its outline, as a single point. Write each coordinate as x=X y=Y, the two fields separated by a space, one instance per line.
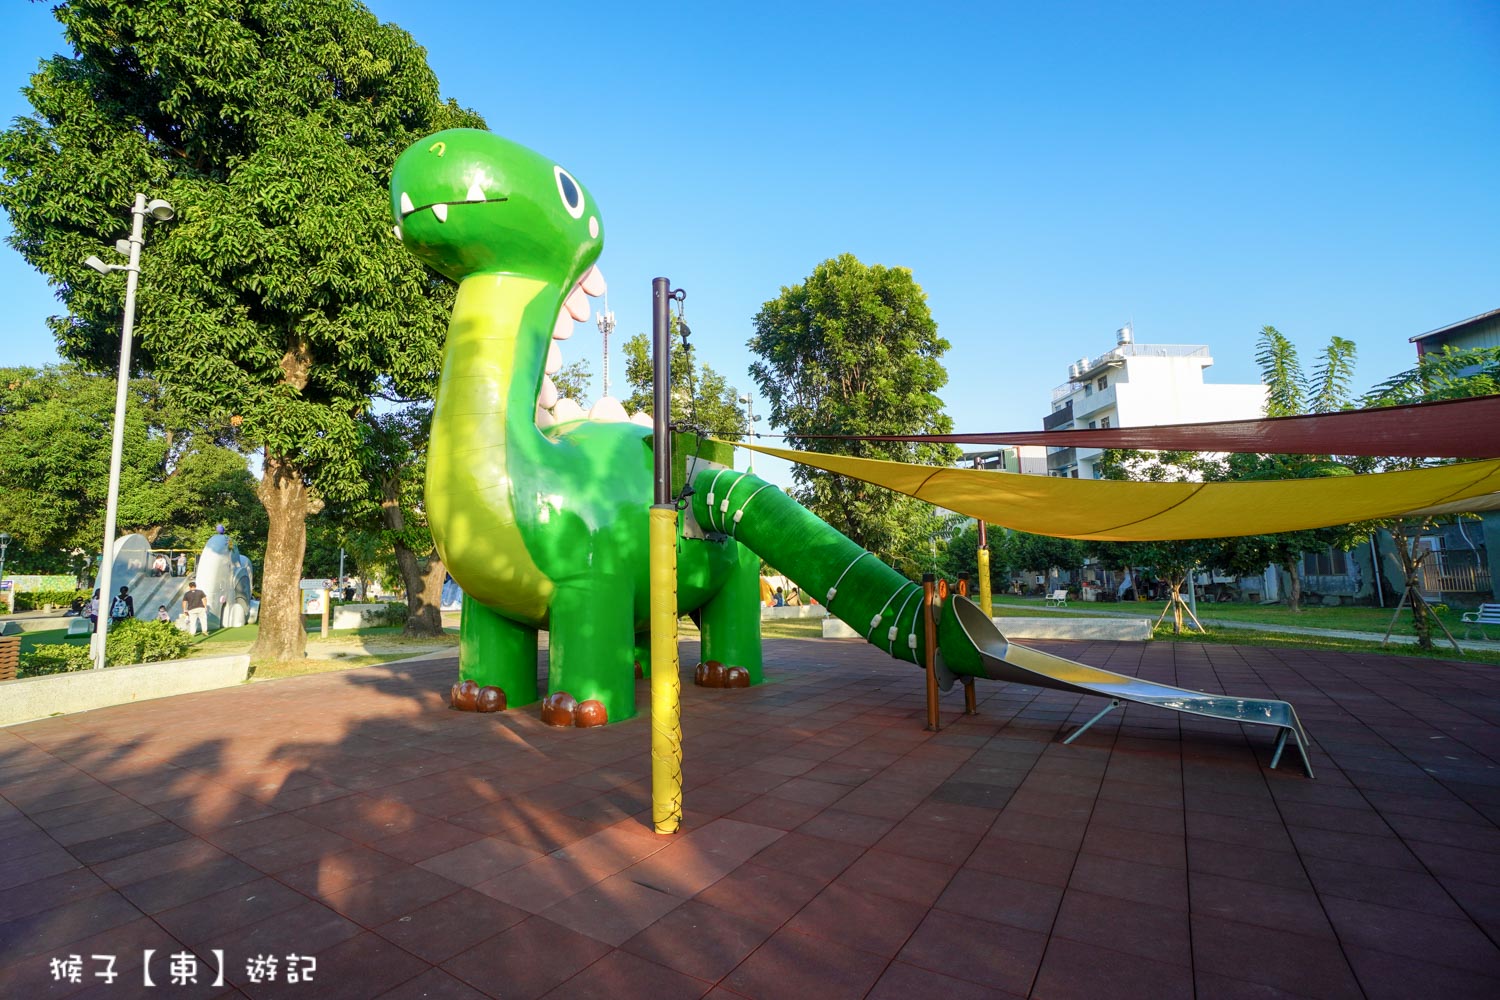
x=833 y=849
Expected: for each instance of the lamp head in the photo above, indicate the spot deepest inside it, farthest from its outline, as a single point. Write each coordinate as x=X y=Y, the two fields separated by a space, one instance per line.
x=4 y=538
x=160 y=209
x=97 y=264
x=744 y=399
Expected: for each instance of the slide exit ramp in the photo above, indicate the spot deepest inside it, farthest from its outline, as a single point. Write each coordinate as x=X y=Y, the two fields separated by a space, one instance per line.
x=1004 y=660
x=886 y=609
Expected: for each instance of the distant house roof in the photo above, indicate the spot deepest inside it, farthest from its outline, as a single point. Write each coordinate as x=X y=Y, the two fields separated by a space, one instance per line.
x=1452 y=327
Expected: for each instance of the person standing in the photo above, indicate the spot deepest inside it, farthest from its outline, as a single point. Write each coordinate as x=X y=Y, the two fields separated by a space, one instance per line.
x=93 y=607
x=195 y=606
x=122 y=607
x=181 y=564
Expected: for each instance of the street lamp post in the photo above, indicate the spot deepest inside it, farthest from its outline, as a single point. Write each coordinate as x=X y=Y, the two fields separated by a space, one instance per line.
x=750 y=419
x=5 y=544
x=161 y=212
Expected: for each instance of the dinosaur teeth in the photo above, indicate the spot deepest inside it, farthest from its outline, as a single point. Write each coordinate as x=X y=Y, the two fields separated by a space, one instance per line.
x=548 y=396
x=475 y=193
x=554 y=358
x=441 y=211
x=567 y=409
x=608 y=410
x=577 y=305
x=592 y=282
x=396 y=232
x=564 y=327
x=544 y=419
x=406 y=206
x=643 y=419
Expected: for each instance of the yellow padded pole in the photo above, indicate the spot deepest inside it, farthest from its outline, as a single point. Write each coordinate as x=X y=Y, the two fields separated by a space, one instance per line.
x=666 y=685
x=985 y=603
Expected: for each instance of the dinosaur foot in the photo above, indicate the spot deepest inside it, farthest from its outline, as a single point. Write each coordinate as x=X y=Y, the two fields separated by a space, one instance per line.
x=561 y=709
x=713 y=674
x=468 y=696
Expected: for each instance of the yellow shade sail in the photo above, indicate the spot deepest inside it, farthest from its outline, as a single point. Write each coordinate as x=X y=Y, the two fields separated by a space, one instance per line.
x=1111 y=511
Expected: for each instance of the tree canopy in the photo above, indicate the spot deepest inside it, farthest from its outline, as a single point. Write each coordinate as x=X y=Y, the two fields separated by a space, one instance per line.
x=701 y=397
x=853 y=349
x=176 y=484
x=277 y=296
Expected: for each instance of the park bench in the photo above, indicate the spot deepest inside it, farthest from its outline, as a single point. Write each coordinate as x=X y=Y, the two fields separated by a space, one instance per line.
x=1488 y=614
x=1058 y=598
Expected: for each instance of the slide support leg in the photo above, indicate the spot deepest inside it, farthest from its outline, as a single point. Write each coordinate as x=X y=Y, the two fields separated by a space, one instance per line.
x=1114 y=703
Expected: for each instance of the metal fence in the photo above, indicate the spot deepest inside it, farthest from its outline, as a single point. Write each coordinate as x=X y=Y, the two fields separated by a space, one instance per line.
x=1456 y=573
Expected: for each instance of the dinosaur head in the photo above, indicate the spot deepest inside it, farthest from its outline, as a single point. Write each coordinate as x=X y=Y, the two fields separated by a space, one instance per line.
x=468 y=202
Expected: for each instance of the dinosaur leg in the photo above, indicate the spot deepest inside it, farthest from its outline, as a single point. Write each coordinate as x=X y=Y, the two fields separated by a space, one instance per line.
x=592 y=634
x=493 y=650
x=731 y=626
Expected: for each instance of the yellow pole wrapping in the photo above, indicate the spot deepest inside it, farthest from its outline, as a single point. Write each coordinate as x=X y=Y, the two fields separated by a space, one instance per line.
x=666 y=685
x=984 y=584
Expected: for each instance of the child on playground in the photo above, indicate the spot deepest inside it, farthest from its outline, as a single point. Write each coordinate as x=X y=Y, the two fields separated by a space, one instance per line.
x=161 y=613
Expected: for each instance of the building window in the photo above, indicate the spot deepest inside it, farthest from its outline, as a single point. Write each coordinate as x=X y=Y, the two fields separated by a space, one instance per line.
x=1074 y=473
x=1093 y=425
x=1103 y=382
x=1104 y=423
x=1330 y=562
x=1088 y=389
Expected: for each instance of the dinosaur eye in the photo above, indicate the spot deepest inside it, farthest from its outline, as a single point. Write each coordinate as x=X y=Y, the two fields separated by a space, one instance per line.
x=571 y=194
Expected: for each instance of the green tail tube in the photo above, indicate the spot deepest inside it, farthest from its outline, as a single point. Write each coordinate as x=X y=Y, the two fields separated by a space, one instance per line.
x=866 y=594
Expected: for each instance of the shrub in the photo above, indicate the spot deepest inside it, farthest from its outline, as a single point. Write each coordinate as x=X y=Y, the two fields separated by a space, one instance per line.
x=54 y=658
x=394 y=613
x=36 y=600
x=135 y=641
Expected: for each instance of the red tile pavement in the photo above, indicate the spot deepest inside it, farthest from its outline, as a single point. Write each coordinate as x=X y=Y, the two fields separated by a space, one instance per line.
x=832 y=848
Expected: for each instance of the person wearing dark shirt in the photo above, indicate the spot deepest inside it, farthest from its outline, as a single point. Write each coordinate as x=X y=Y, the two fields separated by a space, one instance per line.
x=195 y=606
x=122 y=607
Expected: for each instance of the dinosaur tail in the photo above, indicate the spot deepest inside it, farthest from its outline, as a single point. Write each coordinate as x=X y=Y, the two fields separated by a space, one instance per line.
x=856 y=587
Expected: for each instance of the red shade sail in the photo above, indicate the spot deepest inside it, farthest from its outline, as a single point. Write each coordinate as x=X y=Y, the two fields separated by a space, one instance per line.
x=1455 y=428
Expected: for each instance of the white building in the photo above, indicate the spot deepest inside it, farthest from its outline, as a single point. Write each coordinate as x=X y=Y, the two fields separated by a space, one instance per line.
x=1136 y=385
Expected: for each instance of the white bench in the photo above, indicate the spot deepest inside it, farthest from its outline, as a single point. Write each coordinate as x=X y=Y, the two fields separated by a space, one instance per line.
x=1058 y=598
x=1488 y=614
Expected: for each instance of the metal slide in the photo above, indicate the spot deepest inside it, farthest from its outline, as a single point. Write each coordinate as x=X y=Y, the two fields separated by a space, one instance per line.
x=1004 y=660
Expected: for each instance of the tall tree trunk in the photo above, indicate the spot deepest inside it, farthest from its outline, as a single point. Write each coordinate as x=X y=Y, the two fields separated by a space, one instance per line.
x=422 y=578
x=424 y=591
x=1294 y=584
x=1411 y=572
x=284 y=495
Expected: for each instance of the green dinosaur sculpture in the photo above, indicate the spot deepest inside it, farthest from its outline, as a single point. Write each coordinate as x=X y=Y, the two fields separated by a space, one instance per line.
x=539 y=514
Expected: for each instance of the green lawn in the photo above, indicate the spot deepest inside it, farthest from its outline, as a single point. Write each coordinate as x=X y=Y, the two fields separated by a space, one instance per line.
x=239 y=640
x=1355 y=619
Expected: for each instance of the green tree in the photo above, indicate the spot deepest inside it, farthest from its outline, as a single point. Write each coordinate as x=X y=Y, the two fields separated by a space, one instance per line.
x=1174 y=562
x=1451 y=374
x=701 y=397
x=854 y=350
x=573 y=382
x=177 y=481
x=1022 y=553
x=278 y=296
x=383 y=515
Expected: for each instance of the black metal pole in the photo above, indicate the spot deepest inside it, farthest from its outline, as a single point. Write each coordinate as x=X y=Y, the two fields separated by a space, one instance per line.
x=661 y=367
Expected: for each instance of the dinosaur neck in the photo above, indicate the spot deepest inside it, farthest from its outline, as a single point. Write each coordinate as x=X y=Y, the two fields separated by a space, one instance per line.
x=485 y=438
x=493 y=360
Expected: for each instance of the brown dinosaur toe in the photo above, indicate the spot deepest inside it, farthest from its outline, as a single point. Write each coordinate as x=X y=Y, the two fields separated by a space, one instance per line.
x=714 y=674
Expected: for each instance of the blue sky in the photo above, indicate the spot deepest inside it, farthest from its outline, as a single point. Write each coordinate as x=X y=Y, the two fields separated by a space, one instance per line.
x=1047 y=171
